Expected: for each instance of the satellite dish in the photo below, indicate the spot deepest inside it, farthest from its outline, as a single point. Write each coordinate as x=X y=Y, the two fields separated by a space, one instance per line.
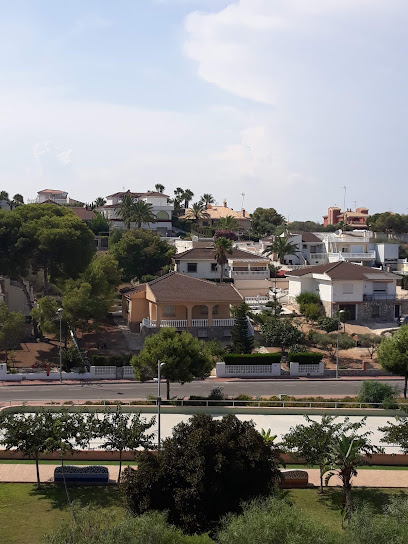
x=338 y=232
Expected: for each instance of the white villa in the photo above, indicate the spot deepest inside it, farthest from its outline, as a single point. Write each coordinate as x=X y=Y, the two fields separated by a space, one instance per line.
x=161 y=208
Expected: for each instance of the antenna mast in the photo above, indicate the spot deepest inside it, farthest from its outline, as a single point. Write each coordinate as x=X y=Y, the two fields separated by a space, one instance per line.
x=344 y=201
x=243 y=198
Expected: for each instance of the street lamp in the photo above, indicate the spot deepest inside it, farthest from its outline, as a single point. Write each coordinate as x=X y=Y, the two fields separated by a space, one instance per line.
x=60 y=343
x=159 y=365
x=338 y=336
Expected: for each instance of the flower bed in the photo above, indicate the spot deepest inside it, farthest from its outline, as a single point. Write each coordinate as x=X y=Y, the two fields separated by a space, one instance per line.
x=91 y=473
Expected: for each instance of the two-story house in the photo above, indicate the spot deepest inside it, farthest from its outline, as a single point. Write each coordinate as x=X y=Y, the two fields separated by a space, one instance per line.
x=213 y=214
x=162 y=209
x=368 y=294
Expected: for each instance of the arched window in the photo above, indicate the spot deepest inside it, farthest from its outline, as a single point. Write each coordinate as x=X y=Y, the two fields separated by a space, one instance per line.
x=162 y=215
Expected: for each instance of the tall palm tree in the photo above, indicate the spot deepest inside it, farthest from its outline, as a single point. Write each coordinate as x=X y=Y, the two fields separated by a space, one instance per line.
x=207 y=199
x=228 y=223
x=223 y=248
x=142 y=213
x=100 y=201
x=281 y=246
x=187 y=197
x=197 y=211
x=125 y=209
x=159 y=187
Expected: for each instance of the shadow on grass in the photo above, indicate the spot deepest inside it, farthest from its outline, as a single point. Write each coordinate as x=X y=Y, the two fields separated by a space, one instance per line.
x=377 y=498
x=100 y=496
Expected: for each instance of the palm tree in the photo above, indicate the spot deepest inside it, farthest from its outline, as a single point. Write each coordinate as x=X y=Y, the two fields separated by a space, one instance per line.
x=228 y=223
x=187 y=197
x=197 y=211
x=99 y=202
x=207 y=199
x=142 y=213
x=281 y=246
x=159 y=187
x=126 y=209
x=345 y=455
x=223 y=248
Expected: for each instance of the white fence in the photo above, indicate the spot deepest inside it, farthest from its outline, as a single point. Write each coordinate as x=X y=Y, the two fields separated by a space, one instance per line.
x=297 y=369
x=230 y=371
x=95 y=373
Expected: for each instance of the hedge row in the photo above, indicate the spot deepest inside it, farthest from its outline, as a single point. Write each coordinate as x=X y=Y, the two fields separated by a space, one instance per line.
x=252 y=358
x=111 y=360
x=306 y=358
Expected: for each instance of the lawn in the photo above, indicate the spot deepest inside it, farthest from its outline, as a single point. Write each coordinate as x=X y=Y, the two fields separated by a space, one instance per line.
x=27 y=514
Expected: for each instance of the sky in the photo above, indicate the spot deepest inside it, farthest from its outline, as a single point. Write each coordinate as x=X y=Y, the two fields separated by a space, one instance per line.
x=271 y=103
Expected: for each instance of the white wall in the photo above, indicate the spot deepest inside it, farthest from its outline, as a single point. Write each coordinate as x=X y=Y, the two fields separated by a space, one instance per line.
x=231 y=371
x=203 y=269
x=355 y=296
x=324 y=290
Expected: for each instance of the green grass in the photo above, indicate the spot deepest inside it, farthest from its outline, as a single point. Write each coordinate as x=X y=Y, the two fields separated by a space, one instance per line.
x=326 y=507
x=27 y=514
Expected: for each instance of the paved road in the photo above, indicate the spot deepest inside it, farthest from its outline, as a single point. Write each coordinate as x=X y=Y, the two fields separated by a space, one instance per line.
x=110 y=391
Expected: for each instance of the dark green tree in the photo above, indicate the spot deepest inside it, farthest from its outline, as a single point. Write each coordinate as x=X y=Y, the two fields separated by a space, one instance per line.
x=396 y=433
x=265 y=221
x=141 y=252
x=223 y=248
x=98 y=224
x=281 y=246
x=204 y=470
x=11 y=328
x=142 y=213
x=242 y=339
x=99 y=202
x=184 y=357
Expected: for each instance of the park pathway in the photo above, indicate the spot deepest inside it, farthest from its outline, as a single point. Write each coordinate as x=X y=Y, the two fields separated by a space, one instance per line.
x=25 y=473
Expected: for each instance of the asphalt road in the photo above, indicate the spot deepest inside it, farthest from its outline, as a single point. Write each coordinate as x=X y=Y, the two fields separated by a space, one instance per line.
x=127 y=391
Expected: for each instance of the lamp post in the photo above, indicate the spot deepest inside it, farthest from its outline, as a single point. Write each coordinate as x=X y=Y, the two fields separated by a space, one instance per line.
x=338 y=336
x=60 y=343
x=159 y=365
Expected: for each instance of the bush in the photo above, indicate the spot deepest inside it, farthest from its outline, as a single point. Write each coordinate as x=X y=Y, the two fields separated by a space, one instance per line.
x=374 y=392
x=328 y=324
x=312 y=311
x=252 y=358
x=204 y=471
x=112 y=360
x=306 y=358
x=304 y=299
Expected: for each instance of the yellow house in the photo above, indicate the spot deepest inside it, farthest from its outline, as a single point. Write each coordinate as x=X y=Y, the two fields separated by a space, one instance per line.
x=181 y=302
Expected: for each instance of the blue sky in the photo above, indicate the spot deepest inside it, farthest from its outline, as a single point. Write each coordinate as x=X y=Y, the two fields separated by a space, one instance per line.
x=286 y=101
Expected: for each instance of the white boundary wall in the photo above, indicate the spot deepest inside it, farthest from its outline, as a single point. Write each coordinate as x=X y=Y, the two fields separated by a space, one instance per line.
x=231 y=371
x=297 y=369
x=96 y=373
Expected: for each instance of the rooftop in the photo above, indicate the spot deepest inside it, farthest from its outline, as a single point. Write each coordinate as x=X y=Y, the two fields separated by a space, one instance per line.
x=175 y=287
x=343 y=270
x=208 y=253
x=218 y=212
x=137 y=195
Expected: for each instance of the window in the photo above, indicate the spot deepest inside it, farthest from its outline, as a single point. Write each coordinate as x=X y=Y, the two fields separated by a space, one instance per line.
x=161 y=216
x=203 y=310
x=375 y=311
x=213 y=267
x=348 y=288
x=215 y=310
x=379 y=287
x=191 y=267
x=169 y=311
x=205 y=223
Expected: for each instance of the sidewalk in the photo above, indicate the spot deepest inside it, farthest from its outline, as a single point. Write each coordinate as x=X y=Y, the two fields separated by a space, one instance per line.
x=17 y=473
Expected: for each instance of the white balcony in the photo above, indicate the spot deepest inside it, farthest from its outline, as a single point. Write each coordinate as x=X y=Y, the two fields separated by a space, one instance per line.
x=249 y=274
x=336 y=257
x=183 y=323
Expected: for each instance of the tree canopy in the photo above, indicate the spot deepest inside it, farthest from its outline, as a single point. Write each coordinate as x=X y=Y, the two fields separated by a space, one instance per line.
x=184 y=357
x=204 y=470
x=242 y=340
x=388 y=222
x=141 y=252
x=392 y=354
x=11 y=328
x=280 y=332
x=265 y=221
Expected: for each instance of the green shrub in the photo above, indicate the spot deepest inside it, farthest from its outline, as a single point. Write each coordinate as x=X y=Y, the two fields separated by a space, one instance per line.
x=306 y=358
x=252 y=358
x=374 y=392
x=304 y=299
x=312 y=311
x=111 y=360
x=328 y=324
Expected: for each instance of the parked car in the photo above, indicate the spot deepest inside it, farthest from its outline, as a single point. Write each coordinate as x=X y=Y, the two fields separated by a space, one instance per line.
x=403 y=320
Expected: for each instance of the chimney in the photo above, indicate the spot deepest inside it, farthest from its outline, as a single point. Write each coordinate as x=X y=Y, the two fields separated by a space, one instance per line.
x=243 y=212
x=225 y=203
x=209 y=206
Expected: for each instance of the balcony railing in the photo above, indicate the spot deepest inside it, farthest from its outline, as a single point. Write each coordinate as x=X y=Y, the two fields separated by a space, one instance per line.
x=380 y=296
x=368 y=256
x=183 y=323
x=249 y=273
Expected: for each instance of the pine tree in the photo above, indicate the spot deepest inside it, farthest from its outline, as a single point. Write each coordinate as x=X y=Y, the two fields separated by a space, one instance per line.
x=242 y=340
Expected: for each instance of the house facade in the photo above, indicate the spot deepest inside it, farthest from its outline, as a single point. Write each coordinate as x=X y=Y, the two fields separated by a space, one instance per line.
x=368 y=295
x=162 y=209
x=213 y=214
x=200 y=263
x=356 y=219
x=181 y=302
